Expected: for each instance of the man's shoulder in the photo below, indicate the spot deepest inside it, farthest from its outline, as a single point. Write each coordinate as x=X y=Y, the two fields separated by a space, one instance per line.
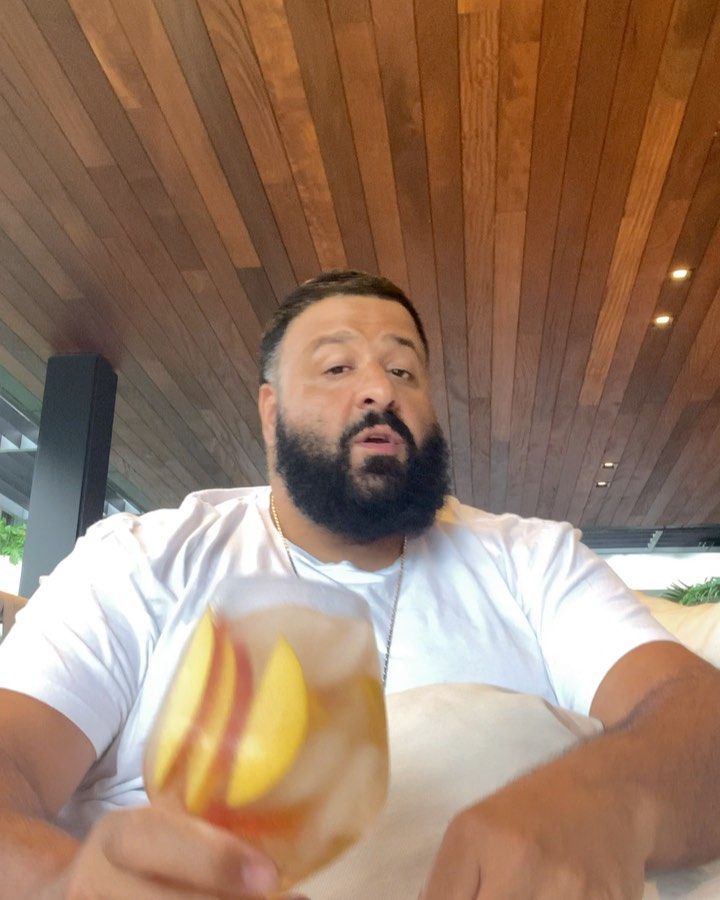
x=223 y=500
x=163 y=545
x=507 y=528
x=197 y=512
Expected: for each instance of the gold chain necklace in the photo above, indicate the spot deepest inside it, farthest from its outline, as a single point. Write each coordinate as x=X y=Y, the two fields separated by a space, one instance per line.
x=398 y=586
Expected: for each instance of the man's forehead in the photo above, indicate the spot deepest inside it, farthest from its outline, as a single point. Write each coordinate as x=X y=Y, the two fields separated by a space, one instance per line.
x=344 y=316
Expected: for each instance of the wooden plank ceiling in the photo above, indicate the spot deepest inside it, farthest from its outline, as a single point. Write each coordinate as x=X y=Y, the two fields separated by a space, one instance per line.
x=528 y=170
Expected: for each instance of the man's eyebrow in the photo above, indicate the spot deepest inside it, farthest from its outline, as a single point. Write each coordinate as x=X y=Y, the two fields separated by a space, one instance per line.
x=337 y=337
x=406 y=342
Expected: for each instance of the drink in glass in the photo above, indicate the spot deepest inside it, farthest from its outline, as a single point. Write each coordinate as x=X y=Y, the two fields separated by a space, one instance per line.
x=274 y=726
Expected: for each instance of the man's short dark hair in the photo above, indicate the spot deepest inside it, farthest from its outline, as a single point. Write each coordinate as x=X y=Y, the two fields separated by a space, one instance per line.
x=327 y=284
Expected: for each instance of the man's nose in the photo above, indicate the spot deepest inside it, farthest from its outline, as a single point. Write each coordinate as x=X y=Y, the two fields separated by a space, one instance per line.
x=376 y=388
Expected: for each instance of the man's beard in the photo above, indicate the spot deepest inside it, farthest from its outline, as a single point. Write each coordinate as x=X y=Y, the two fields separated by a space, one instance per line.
x=382 y=497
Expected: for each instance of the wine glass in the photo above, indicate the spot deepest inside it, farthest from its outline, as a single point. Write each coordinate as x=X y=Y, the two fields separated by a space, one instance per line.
x=274 y=724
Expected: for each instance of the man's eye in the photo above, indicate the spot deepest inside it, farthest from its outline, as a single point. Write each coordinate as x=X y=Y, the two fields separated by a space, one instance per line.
x=402 y=373
x=336 y=370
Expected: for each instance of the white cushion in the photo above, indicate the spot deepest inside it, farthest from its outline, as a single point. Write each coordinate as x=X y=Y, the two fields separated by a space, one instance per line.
x=697 y=627
x=450 y=746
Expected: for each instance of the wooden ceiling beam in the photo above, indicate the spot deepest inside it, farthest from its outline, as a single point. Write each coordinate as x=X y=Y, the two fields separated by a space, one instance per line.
x=271 y=36
x=196 y=54
x=664 y=351
x=696 y=384
x=561 y=38
x=694 y=468
x=701 y=495
x=597 y=68
x=610 y=241
x=438 y=57
x=314 y=43
x=162 y=73
x=190 y=308
x=611 y=429
x=520 y=31
x=479 y=43
x=358 y=60
x=230 y=37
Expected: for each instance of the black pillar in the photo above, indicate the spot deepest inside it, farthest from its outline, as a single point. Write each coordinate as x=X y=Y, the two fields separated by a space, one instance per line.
x=70 y=477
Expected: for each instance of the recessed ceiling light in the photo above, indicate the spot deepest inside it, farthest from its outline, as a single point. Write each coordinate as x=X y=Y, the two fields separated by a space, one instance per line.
x=662 y=320
x=609 y=465
x=680 y=274
x=601 y=484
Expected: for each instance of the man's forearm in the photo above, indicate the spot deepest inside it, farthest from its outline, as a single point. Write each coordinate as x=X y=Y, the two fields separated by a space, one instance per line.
x=32 y=854
x=662 y=765
x=672 y=744
x=32 y=851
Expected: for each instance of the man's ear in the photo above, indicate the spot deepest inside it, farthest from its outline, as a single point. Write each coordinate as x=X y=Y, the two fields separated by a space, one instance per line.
x=267 y=407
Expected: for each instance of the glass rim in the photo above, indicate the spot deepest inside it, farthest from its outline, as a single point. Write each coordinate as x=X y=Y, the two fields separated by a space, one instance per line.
x=238 y=595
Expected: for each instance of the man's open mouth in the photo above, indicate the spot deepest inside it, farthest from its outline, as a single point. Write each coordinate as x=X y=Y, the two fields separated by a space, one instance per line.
x=380 y=439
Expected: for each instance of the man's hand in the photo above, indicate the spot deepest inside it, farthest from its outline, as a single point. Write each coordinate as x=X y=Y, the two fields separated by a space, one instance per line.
x=150 y=852
x=643 y=795
x=544 y=836
x=134 y=853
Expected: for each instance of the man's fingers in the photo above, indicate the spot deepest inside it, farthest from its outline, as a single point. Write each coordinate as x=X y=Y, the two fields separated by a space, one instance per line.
x=120 y=885
x=184 y=850
x=104 y=880
x=526 y=884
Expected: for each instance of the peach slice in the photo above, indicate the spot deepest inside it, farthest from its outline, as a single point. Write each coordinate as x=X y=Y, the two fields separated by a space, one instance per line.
x=275 y=731
x=206 y=746
x=184 y=699
x=221 y=723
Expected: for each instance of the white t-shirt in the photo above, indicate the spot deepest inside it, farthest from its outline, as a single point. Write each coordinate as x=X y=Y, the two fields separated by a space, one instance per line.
x=501 y=600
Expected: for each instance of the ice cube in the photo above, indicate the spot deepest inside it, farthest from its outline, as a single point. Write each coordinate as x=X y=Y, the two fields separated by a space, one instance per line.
x=300 y=626
x=352 y=802
x=324 y=755
x=330 y=648
x=348 y=651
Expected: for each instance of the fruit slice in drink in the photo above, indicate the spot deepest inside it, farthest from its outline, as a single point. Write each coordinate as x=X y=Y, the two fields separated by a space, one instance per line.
x=220 y=725
x=205 y=709
x=183 y=702
x=275 y=731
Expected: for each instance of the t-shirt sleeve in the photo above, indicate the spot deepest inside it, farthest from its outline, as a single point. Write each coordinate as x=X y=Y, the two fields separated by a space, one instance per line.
x=83 y=641
x=584 y=616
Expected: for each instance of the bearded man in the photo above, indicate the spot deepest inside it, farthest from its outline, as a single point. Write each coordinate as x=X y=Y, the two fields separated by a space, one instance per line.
x=358 y=495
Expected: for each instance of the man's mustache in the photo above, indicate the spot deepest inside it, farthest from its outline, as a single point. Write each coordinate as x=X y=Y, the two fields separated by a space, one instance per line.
x=373 y=418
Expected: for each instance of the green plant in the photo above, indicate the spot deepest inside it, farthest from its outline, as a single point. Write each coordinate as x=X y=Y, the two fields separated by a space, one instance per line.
x=12 y=541
x=707 y=591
